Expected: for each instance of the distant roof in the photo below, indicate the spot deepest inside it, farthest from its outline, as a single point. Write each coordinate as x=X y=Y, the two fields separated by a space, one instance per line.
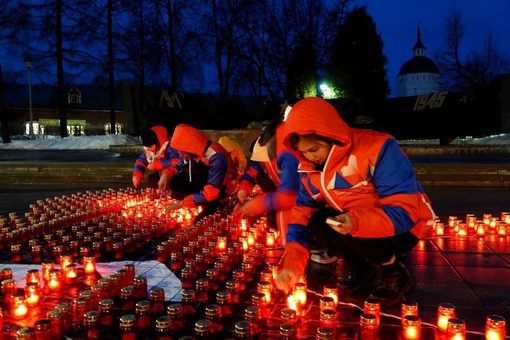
x=45 y=96
x=418 y=64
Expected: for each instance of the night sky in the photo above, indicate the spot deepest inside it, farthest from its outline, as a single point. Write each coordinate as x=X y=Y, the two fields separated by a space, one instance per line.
x=397 y=21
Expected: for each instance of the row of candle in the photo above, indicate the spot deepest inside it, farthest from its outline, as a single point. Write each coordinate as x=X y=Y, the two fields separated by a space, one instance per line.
x=488 y=225
x=110 y=206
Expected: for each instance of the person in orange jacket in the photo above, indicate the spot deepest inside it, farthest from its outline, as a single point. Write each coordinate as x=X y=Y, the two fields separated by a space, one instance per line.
x=236 y=153
x=274 y=169
x=194 y=147
x=157 y=156
x=359 y=198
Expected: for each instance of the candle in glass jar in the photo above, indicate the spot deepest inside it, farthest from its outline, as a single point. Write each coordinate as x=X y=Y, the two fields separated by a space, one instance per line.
x=439 y=229
x=299 y=292
x=495 y=327
x=411 y=327
x=89 y=264
x=331 y=291
x=32 y=275
x=64 y=261
x=445 y=311
x=32 y=293
x=46 y=268
x=71 y=273
x=456 y=329
x=19 y=306
x=54 y=281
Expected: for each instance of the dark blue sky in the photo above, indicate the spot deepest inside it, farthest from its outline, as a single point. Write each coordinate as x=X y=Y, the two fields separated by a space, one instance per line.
x=397 y=22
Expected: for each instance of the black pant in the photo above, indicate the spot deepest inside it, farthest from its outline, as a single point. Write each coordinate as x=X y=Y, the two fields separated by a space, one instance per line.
x=375 y=250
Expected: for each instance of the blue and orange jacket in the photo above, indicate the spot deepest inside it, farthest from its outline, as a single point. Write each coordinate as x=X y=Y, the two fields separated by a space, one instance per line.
x=166 y=158
x=222 y=175
x=282 y=170
x=367 y=175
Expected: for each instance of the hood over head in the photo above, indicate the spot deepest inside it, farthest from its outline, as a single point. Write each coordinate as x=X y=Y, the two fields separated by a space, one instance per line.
x=229 y=144
x=188 y=139
x=315 y=115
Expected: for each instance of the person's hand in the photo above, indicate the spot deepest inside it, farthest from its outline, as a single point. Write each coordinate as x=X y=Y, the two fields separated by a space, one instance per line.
x=344 y=225
x=286 y=279
x=136 y=181
x=253 y=207
x=163 y=182
x=174 y=206
x=151 y=166
x=242 y=195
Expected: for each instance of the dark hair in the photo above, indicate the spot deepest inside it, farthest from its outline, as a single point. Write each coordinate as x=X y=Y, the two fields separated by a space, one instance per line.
x=149 y=137
x=269 y=132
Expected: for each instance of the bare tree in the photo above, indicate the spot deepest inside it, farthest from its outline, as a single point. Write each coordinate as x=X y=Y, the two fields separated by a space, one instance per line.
x=478 y=68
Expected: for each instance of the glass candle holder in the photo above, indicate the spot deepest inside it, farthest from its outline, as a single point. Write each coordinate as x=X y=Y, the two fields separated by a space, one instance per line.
x=328 y=318
x=32 y=275
x=19 y=306
x=65 y=260
x=71 y=273
x=456 y=329
x=266 y=288
x=495 y=327
x=89 y=265
x=331 y=291
x=32 y=293
x=373 y=306
x=299 y=293
x=9 y=288
x=408 y=307
x=445 y=311
x=411 y=327
x=54 y=279
x=47 y=266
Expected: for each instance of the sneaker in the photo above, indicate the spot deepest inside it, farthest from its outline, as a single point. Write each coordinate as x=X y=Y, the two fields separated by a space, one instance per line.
x=395 y=282
x=353 y=274
x=321 y=256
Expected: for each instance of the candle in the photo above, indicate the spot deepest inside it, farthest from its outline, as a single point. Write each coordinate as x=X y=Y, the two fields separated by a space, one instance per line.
x=32 y=275
x=19 y=306
x=439 y=229
x=32 y=293
x=265 y=287
x=299 y=293
x=373 y=306
x=495 y=328
x=411 y=327
x=480 y=229
x=46 y=268
x=456 y=329
x=64 y=261
x=445 y=311
x=408 y=307
x=270 y=238
x=89 y=264
x=331 y=291
x=9 y=288
x=71 y=273
x=221 y=243
x=54 y=281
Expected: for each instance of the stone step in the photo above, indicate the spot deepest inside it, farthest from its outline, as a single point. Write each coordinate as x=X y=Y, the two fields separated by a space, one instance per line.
x=23 y=174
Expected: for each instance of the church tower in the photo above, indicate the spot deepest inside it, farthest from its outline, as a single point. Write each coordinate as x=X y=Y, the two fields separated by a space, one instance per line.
x=418 y=75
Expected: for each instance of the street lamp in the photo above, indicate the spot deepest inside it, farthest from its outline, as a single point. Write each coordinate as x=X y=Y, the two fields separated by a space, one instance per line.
x=28 y=64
